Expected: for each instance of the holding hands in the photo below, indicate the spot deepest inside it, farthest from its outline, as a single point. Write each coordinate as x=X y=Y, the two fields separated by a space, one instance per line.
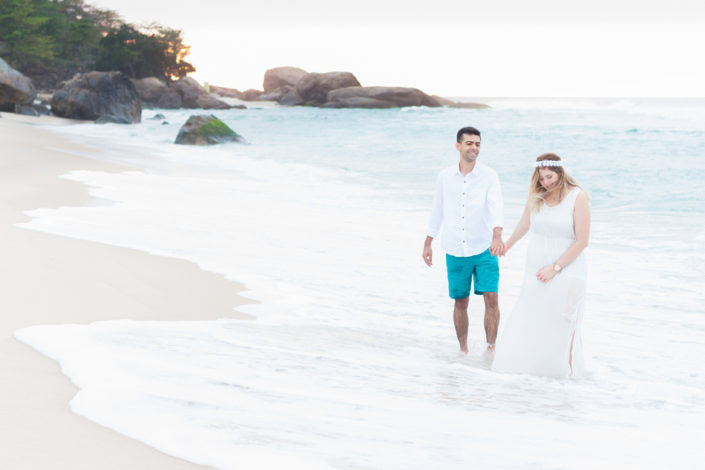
x=498 y=248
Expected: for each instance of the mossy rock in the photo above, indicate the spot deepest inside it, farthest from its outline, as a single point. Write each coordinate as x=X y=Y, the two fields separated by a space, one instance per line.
x=206 y=130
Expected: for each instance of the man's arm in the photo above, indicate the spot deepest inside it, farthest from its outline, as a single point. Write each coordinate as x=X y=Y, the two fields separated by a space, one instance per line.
x=427 y=252
x=498 y=248
x=496 y=208
x=434 y=222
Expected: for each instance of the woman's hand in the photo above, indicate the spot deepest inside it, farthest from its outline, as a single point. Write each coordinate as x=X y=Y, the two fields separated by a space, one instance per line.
x=546 y=273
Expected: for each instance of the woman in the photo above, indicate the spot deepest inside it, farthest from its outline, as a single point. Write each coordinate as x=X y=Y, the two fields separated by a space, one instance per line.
x=542 y=337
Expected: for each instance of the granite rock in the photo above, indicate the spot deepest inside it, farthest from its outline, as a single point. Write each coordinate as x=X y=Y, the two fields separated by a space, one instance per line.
x=378 y=97
x=15 y=88
x=281 y=76
x=313 y=88
x=108 y=96
x=154 y=93
x=194 y=96
x=206 y=130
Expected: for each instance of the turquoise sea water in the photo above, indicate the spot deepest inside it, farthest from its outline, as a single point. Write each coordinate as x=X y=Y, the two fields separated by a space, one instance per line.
x=630 y=156
x=351 y=362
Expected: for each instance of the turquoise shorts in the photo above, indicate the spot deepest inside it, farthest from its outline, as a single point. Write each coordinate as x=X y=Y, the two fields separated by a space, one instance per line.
x=461 y=271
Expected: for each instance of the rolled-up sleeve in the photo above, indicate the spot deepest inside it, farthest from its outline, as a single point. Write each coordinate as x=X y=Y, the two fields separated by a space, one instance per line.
x=495 y=203
x=436 y=218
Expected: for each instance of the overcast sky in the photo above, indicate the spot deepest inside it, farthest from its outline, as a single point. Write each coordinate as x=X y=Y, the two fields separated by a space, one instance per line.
x=449 y=47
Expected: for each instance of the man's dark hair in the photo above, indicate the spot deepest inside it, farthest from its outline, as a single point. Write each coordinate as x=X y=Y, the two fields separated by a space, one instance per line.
x=469 y=131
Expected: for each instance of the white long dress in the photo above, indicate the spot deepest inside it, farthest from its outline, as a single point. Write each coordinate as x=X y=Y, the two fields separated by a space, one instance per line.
x=548 y=316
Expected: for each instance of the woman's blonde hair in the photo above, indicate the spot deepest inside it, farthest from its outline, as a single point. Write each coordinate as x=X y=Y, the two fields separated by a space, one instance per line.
x=538 y=194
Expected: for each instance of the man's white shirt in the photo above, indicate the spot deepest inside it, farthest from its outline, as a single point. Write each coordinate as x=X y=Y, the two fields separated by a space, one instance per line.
x=468 y=207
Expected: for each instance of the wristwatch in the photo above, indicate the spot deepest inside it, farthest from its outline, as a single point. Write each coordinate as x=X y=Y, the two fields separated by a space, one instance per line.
x=557 y=267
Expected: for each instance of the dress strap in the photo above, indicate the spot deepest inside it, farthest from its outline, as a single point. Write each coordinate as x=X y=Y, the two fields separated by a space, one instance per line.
x=573 y=195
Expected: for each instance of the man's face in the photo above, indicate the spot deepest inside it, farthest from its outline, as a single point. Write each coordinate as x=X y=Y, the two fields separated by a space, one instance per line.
x=469 y=147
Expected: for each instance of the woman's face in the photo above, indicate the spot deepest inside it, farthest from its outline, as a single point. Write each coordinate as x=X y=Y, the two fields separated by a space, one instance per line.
x=548 y=178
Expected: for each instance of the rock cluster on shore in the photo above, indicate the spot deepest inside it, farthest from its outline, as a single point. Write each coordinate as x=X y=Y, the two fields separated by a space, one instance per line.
x=292 y=86
x=103 y=96
x=183 y=93
x=113 y=97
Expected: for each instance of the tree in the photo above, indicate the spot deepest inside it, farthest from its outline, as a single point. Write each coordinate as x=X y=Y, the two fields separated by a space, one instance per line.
x=24 y=42
x=156 y=52
x=50 y=40
x=175 y=53
x=117 y=51
x=77 y=35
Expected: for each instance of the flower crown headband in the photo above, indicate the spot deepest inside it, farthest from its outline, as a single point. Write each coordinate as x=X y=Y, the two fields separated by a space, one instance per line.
x=545 y=163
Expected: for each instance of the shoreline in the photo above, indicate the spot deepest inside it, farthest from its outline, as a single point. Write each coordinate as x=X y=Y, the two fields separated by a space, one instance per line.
x=50 y=279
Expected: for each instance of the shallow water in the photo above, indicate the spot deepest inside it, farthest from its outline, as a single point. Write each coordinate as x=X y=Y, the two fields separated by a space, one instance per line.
x=352 y=362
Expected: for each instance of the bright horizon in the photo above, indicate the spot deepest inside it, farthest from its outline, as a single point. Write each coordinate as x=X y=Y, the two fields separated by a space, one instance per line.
x=452 y=47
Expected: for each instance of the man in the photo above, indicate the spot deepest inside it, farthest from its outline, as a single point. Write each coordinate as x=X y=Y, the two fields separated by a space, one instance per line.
x=468 y=203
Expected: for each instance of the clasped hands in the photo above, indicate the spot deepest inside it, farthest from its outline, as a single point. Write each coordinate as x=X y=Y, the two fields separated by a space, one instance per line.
x=498 y=247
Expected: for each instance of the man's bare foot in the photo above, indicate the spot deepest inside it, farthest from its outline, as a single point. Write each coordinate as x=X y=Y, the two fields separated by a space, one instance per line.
x=464 y=349
x=489 y=353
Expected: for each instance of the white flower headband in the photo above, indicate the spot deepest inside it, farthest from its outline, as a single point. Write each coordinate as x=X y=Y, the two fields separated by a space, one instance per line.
x=545 y=163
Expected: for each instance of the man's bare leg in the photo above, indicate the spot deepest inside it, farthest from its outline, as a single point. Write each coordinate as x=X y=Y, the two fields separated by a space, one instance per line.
x=491 y=318
x=460 y=318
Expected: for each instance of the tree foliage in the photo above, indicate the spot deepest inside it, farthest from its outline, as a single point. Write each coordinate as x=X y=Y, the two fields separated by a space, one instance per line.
x=23 y=35
x=158 y=52
x=50 y=40
x=176 y=51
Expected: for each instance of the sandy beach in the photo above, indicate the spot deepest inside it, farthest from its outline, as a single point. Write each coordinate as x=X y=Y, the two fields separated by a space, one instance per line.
x=49 y=279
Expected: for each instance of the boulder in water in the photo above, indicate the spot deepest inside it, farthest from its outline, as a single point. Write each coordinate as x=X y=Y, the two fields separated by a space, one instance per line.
x=206 y=130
